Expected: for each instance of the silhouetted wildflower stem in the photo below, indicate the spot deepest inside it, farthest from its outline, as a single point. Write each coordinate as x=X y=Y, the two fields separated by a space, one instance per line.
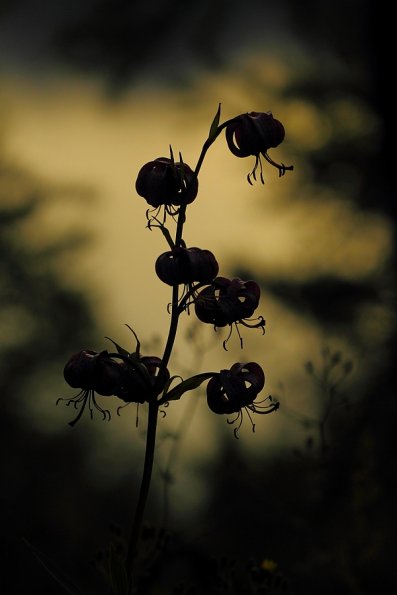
x=169 y=186
x=153 y=405
x=150 y=445
x=145 y=486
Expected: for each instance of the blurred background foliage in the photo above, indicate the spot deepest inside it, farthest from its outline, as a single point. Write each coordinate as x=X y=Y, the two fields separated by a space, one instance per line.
x=311 y=512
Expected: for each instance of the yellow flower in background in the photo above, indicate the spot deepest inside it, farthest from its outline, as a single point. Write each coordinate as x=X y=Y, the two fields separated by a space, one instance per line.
x=269 y=565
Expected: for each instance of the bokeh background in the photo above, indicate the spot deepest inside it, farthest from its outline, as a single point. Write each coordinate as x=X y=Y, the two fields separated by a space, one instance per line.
x=89 y=92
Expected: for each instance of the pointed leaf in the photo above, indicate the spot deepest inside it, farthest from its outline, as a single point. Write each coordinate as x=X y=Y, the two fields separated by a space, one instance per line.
x=186 y=385
x=170 y=381
x=118 y=573
x=167 y=386
x=181 y=170
x=138 y=343
x=215 y=124
x=172 y=156
x=119 y=349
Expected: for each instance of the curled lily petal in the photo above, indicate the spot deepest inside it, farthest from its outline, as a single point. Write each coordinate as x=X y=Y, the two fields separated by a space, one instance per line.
x=235 y=390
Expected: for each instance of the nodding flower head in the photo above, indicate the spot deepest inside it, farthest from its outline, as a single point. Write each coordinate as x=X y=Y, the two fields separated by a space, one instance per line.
x=92 y=372
x=235 y=390
x=228 y=302
x=164 y=182
x=141 y=381
x=131 y=379
x=186 y=265
x=254 y=134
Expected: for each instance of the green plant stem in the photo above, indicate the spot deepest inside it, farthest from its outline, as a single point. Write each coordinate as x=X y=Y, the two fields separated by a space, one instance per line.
x=144 y=490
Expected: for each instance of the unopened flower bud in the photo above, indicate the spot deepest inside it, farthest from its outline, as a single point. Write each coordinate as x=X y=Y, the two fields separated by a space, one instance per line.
x=186 y=265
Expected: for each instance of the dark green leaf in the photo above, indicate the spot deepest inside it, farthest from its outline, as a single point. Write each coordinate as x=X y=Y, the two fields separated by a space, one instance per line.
x=169 y=382
x=186 y=385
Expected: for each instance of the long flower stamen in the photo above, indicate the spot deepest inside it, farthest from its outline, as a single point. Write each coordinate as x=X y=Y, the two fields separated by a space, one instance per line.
x=280 y=166
x=258 y=163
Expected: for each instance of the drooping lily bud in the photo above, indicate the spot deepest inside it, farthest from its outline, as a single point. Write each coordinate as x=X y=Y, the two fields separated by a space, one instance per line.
x=164 y=182
x=186 y=265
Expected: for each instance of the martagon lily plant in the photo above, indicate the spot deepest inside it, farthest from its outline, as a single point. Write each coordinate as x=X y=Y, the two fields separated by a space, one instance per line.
x=169 y=187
